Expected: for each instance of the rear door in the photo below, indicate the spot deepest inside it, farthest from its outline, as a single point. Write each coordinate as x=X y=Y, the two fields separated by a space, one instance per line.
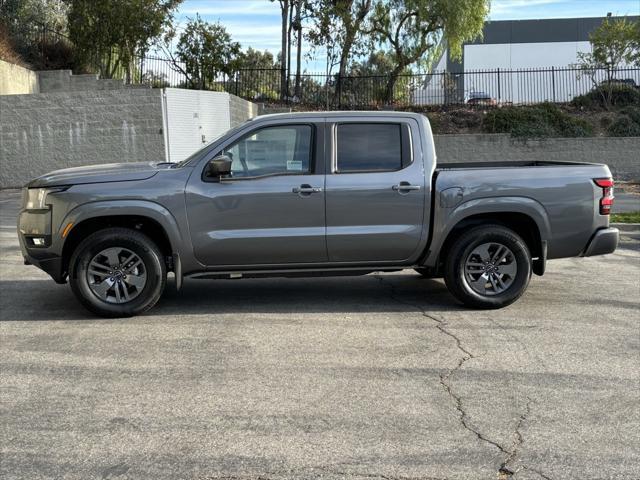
x=375 y=190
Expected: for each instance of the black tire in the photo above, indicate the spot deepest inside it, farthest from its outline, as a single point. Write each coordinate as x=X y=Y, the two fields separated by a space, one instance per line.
x=133 y=241
x=428 y=272
x=465 y=289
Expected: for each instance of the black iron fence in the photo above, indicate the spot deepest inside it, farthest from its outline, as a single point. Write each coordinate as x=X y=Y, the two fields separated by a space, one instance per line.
x=476 y=87
x=46 y=49
x=481 y=87
x=40 y=47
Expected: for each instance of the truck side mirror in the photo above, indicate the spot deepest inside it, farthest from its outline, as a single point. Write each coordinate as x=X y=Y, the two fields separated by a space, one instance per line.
x=218 y=167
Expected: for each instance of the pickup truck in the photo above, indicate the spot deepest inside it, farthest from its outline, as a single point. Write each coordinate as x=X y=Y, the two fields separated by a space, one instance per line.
x=302 y=194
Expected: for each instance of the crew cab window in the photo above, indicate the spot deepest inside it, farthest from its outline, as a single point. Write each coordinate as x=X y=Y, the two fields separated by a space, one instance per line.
x=271 y=151
x=371 y=147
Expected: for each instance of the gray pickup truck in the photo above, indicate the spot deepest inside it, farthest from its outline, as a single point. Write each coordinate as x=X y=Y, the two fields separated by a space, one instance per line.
x=303 y=194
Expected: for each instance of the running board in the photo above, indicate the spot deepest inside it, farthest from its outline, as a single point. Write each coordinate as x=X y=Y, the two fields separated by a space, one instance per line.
x=293 y=273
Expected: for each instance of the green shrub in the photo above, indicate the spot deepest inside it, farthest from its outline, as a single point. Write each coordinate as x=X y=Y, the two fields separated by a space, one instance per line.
x=435 y=123
x=633 y=112
x=627 y=125
x=621 y=95
x=544 y=120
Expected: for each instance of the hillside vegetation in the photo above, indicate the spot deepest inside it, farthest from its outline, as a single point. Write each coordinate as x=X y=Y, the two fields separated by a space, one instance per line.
x=586 y=116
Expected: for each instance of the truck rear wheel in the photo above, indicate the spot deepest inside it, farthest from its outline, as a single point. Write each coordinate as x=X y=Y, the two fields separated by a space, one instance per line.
x=488 y=267
x=117 y=272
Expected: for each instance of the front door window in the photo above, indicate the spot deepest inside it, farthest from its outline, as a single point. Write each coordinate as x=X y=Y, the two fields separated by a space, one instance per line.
x=282 y=150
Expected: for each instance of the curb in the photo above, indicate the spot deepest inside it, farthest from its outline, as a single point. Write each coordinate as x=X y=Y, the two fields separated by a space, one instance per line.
x=627 y=227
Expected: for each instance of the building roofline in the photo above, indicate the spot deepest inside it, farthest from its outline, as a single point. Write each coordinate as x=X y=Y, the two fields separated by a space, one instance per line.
x=631 y=17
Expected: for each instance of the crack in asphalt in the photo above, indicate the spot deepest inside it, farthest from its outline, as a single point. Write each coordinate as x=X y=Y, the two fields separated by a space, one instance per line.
x=505 y=469
x=274 y=476
x=382 y=476
x=335 y=469
x=327 y=469
x=504 y=472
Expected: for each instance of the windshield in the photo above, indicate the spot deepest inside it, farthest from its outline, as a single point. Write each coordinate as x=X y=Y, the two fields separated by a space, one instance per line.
x=197 y=155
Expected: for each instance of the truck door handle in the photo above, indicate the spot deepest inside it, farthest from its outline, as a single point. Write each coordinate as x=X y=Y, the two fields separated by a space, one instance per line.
x=306 y=189
x=405 y=187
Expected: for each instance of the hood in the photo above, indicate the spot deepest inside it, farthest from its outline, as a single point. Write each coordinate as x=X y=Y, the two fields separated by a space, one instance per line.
x=112 y=172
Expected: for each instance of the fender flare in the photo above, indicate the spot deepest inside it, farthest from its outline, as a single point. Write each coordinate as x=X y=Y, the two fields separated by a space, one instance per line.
x=483 y=206
x=139 y=208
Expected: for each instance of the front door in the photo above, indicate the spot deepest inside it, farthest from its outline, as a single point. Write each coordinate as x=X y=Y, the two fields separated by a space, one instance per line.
x=376 y=192
x=271 y=210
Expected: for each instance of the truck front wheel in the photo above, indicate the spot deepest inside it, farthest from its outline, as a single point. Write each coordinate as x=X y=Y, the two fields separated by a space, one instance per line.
x=488 y=267
x=117 y=272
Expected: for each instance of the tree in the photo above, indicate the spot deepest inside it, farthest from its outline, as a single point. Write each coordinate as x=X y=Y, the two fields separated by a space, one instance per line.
x=30 y=31
x=25 y=16
x=368 y=78
x=339 y=26
x=636 y=45
x=323 y=33
x=112 y=32
x=614 y=44
x=204 y=50
x=297 y=27
x=256 y=60
x=284 y=44
x=257 y=75
x=413 y=28
x=378 y=63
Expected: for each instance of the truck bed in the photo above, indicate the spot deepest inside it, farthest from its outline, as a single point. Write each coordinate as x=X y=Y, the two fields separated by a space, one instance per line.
x=506 y=164
x=563 y=195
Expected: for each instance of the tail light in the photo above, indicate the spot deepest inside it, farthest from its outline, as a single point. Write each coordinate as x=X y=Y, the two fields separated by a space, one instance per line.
x=606 y=201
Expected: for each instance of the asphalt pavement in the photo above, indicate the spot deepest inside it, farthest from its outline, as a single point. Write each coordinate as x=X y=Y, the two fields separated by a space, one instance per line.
x=374 y=377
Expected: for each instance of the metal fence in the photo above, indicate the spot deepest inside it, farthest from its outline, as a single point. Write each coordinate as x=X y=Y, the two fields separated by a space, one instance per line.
x=481 y=87
x=48 y=49
x=40 y=47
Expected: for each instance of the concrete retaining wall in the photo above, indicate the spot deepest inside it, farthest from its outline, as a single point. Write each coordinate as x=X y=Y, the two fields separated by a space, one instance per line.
x=49 y=131
x=241 y=110
x=15 y=80
x=52 y=81
x=622 y=154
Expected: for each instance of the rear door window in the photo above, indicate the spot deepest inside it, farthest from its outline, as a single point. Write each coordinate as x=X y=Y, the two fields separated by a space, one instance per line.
x=369 y=147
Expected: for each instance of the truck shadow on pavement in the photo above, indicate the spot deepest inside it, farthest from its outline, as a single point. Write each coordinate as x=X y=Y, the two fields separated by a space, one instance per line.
x=43 y=300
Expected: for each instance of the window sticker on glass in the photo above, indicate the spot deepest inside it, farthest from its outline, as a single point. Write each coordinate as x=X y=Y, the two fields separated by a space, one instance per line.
x=294 y=165
x=272 y=151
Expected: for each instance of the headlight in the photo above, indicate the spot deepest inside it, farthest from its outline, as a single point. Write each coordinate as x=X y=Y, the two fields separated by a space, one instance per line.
x=36 y=198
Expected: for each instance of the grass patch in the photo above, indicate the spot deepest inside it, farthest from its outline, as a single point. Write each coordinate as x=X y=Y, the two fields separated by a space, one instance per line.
x=631 y=217
x=536 y=121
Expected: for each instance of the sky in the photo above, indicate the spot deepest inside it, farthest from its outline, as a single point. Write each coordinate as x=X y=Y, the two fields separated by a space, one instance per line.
x=256 y=23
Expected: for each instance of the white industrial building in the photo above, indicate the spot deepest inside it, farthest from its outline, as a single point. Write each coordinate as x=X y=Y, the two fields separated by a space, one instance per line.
x=517 y=61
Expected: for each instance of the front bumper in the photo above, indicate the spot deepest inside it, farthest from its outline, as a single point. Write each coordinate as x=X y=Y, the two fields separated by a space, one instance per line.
x=52 y=266
x=37 y=224
x=603 y=241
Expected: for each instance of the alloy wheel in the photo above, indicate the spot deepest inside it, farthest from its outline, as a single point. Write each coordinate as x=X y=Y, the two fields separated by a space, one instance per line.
x=490 y=269
x=116 y=275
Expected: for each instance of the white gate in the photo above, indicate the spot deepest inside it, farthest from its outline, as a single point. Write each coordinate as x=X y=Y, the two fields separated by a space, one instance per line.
x=193 y=118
